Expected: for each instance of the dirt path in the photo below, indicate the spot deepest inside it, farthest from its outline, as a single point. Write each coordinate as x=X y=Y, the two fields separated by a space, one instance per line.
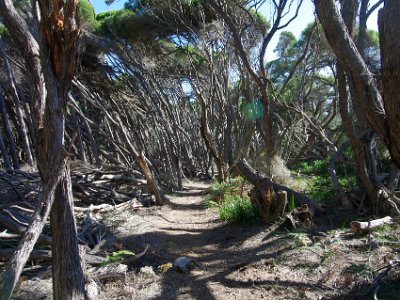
x=238 y=261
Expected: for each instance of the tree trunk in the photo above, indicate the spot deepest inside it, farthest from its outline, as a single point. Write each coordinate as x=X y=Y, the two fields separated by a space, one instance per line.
x=389 y=34
x=8 y=130
x=14 y=266
x=141 y=159
x=50 y=62
x=68 y=277
x=14 y=94
x=6 y=158
x=381 y=114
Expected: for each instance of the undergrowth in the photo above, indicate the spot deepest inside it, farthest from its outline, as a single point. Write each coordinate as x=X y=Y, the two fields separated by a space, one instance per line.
x=232 y=204
x=116 y=257
x=313 y=178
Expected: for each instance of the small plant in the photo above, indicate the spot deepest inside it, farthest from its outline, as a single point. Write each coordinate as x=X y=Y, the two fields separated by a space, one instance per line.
x=220 y=189
x=291 y=203
x=327 y=255
x=164 y=268
x=359 y=269
x=232 y=205
x=234 y=209
x=116 y=257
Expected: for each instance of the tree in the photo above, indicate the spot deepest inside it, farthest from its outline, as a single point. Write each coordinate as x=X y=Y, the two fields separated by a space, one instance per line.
x=379 y=108
x=51 y=48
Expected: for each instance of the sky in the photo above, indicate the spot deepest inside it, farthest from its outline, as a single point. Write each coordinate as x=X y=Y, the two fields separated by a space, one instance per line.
x=306 y=16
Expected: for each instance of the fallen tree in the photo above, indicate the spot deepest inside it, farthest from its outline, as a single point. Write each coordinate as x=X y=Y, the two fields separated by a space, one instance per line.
x=269 y=196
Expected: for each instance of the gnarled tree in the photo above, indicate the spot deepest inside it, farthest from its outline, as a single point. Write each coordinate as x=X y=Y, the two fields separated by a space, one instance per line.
x=50 y=43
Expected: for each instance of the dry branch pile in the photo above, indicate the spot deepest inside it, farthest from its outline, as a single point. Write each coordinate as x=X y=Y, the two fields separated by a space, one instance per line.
x=98 y=192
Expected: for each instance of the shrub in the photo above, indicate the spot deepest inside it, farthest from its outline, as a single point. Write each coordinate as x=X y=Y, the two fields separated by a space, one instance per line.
x=234 y=209
x=116 y=257
x=220 y=189
x=232 y=205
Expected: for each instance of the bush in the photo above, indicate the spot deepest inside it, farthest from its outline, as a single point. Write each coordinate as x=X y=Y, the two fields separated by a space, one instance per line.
x=315 y=179
x=234 y=209
x=220 y=189
x=228 y=198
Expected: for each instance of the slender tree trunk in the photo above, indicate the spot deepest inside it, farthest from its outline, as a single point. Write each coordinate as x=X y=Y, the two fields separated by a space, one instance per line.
x=69 y=278
x=4 y=153
x=14 y=94
x=7 y=128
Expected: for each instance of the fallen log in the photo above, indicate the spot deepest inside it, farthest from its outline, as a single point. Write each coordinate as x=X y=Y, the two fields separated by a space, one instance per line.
x=361 y=227
x=109 y=271
x=269 y=196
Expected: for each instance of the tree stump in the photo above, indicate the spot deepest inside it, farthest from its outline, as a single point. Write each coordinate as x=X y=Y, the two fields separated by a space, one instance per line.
x=270 y=204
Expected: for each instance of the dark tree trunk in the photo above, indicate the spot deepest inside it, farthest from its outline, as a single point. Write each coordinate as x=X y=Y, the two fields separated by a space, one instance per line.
x=69 y=278
x=381 y=113
x=389 y=33
x=4 y=153
x=7 y=128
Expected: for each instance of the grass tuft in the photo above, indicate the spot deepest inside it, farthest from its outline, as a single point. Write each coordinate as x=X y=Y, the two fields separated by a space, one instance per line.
x=234 y=209
x=233 y=206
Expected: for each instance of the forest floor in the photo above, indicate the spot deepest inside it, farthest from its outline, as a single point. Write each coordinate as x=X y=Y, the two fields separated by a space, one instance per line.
x=242 y=261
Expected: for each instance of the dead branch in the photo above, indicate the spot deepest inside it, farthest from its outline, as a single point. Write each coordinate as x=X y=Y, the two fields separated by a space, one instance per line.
x=131 y=259
x=109 y=271
x=362 y=227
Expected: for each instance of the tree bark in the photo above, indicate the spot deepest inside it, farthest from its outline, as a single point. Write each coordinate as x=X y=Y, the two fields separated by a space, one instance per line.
x=381 y=114
x=14 y=266
x=8 y=130
x=51 y=58
x=69 y=280
x=389 y=34
x=6 y=158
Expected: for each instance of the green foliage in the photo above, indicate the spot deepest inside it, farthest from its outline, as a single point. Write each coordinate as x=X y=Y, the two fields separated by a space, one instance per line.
x=235 y=209
x=3 y=31
x=318 y=182
x=218 y=190
x=117 y=257
x=291 y=203
x=119 y=20
x=359 y=269
x=87 y=15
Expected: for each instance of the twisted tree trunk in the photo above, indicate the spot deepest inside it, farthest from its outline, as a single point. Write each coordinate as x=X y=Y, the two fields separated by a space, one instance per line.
x=51 y=58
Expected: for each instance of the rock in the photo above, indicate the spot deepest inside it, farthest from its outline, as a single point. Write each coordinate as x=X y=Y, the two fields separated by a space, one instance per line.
x=184 y=264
